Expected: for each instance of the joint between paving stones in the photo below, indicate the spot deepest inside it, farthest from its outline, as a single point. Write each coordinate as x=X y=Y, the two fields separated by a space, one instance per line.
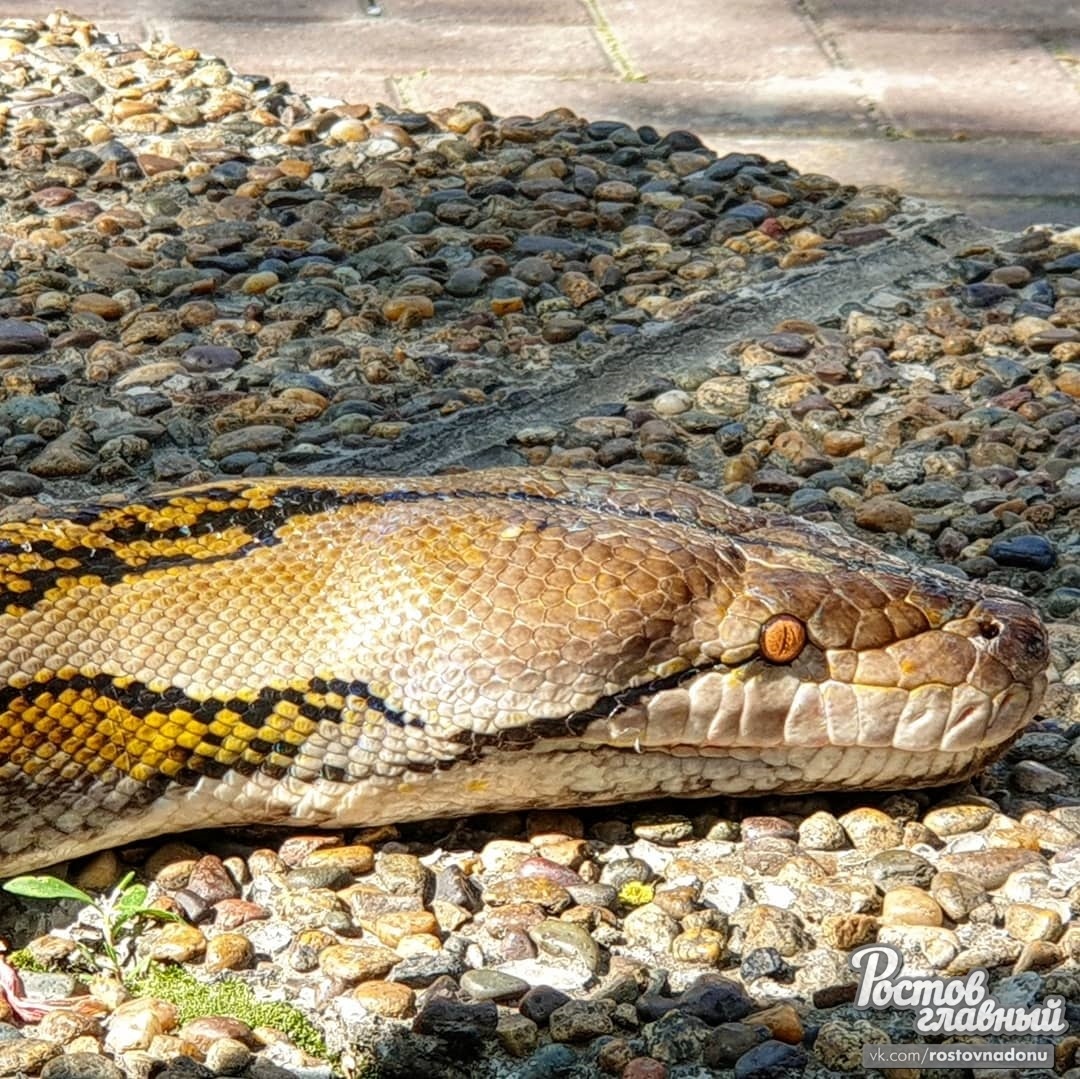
x=830 y=47
x=617 y=54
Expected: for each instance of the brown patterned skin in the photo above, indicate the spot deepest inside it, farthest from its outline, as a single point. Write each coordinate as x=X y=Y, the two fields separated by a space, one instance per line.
x=348 y=651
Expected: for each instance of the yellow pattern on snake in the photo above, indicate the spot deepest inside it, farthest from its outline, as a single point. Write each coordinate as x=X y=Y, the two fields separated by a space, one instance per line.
x=346 y=651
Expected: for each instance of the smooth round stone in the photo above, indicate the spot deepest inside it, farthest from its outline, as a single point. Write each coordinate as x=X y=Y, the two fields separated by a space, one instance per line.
x=786 y=344
x=492 y=985
x=468 y=281
x=17 y=484
x=534 y=271
x=20 y=338
x=893 y=868
x=391 y=1000
x=957 y=894
x=408 y=306
x=253 y=439
x=908 y=905
x=562 y=327
x=871 y=829
x=209 y=359
x=989 y=868
x=539 y=1002
x=567 y=942
x=228 y=1057
x=1033 y=777
x=264 y=279
x=509 y=288
x=1024 y=552
x=673 y=403
x=329 y=875
x=351 y=963
x=177 y=943
x=771 y=1060
x=666 y=830
x=985 y=294
x=1028 y=922
x=956 y=819
x=1062 y=602
x=649 y=927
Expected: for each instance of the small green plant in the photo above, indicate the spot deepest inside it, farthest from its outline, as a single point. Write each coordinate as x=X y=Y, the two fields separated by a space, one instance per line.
x=115 y=916
x=232 y=998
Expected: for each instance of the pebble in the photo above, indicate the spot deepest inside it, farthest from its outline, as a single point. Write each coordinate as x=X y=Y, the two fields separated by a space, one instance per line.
x=771 y=1060
x=81 y=1066
x=908 y=905
x=580 y=1020
x=540 y=1001
x=1024 y=552
x=391 y=1000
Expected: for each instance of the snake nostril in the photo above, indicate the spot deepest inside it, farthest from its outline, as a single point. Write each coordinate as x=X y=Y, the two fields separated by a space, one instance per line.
x=989 y=630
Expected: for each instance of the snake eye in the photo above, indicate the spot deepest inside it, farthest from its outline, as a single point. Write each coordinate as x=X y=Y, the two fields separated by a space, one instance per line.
x=989 y=630
x=782 y=638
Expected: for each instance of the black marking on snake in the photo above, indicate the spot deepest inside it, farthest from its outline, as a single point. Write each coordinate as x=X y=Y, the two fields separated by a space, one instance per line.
x=108 y=565
x=136 y=697
x=574 y=724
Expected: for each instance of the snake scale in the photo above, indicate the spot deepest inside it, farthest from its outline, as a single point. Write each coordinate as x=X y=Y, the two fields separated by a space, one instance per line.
x=361 y=651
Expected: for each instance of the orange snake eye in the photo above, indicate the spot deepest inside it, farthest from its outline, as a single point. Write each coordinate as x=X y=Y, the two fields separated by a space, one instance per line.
x=783 y=637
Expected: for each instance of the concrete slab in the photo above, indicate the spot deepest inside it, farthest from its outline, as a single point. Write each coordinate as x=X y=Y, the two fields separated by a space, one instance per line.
x=935 y=16
x=959 y=83
x=507 y=13
x=716 y=41
x=375 y=46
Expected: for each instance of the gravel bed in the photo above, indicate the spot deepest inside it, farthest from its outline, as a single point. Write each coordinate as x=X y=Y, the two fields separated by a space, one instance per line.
x=204 y=274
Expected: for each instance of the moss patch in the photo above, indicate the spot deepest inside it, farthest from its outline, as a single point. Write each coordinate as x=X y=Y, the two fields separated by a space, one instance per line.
x=23 y=960
x=232 y=998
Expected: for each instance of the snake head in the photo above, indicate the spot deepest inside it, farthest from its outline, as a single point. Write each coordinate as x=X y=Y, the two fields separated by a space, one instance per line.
x=842 y=667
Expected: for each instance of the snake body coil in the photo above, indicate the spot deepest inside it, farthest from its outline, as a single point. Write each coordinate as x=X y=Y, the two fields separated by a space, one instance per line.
x=351 y=651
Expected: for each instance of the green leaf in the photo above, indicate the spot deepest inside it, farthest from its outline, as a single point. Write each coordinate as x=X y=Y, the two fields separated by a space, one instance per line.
x=132 y=900
x=159 y=915
x=46 y=888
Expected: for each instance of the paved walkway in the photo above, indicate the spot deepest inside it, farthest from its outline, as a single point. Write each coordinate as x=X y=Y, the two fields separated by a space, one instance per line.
x=968 y=102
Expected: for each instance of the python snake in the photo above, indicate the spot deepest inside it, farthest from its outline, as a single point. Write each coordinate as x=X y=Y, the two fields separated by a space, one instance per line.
x=361 y=651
